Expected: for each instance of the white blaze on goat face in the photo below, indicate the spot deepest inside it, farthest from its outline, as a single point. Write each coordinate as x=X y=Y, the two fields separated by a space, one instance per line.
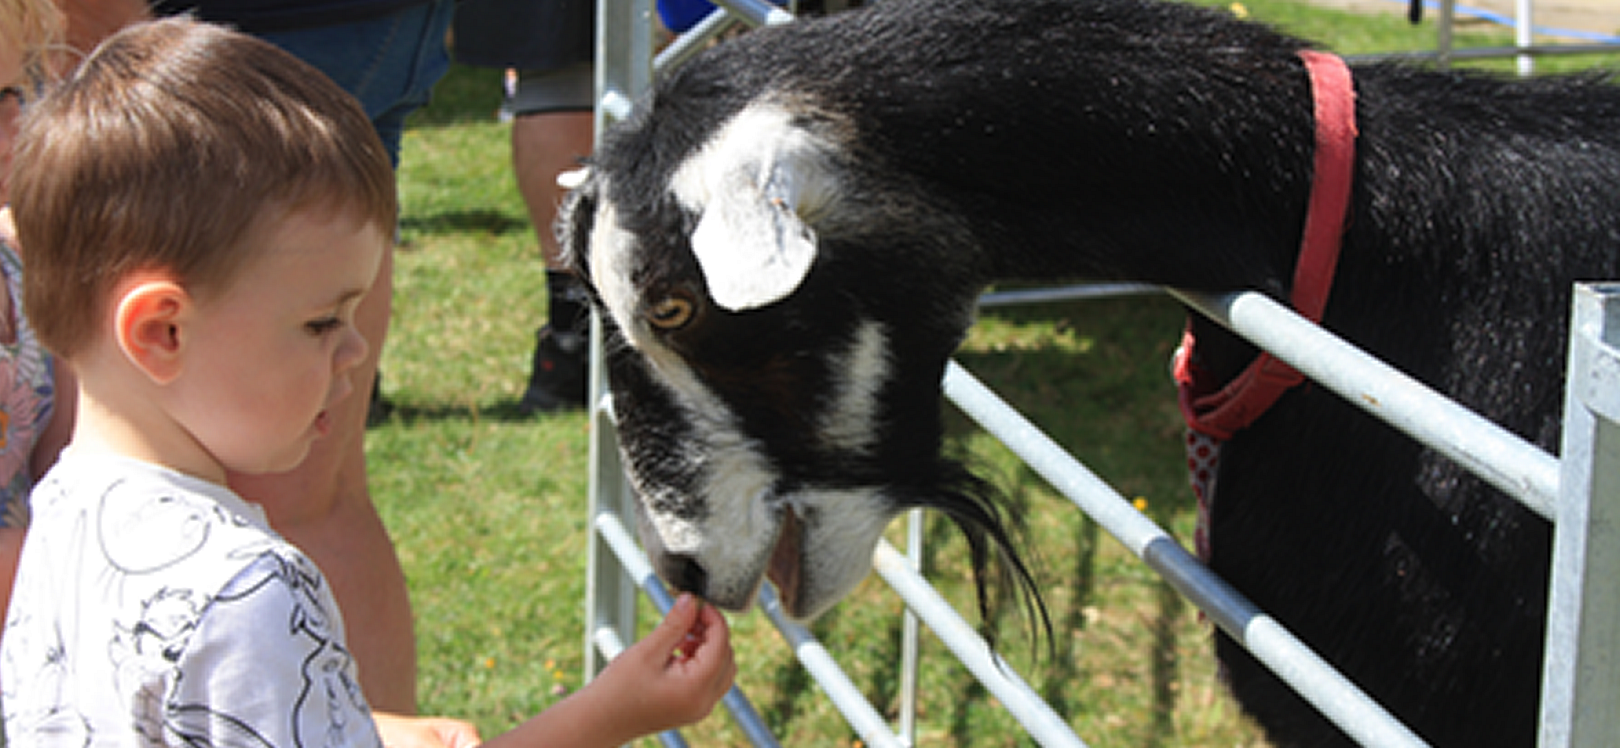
x=611 y=258
x=860 y=374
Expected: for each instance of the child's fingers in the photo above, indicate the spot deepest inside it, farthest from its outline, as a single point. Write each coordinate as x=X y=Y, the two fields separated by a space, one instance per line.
x=709 y=652
x=677 y=624
x=710 y=626
x=708 y=629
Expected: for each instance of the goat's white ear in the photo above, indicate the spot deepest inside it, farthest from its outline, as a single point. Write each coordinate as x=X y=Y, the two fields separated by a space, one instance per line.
x=753 y=187
x=752 y=246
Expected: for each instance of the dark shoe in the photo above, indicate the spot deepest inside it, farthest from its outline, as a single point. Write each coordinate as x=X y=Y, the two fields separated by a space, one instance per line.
x=559 y=378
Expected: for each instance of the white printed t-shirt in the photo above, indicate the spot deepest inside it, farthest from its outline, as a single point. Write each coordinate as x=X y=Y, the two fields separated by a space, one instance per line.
x=152 y=608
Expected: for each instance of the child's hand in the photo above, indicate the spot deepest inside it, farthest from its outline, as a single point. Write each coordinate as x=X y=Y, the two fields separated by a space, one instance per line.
x=678 y=672
x=424 y=732
x=673 y=677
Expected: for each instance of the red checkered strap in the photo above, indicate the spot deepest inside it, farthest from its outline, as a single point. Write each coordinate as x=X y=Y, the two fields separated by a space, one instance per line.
x=1214 y=412
x=1221 y=411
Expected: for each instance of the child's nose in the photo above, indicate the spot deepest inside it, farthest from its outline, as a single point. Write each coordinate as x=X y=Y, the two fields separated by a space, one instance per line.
x=353 y=350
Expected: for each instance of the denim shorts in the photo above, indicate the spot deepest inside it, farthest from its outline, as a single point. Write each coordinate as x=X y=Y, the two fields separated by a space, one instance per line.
x=389 y=63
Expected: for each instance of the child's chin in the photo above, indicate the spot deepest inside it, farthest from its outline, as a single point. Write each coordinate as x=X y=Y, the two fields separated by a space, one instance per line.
x=290 y=458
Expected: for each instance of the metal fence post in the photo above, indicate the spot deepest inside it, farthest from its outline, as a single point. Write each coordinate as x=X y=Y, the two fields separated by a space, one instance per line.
x=1524 y=35
x=1581 y=683
x=623 y=71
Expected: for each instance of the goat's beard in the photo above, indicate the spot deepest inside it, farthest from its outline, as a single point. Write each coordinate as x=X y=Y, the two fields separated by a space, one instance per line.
x=993 y=528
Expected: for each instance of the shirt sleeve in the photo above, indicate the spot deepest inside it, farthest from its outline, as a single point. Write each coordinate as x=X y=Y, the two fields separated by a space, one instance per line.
x=267 y=666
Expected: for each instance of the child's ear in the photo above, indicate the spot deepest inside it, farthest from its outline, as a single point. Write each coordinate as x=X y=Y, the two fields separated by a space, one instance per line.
x=148 y=326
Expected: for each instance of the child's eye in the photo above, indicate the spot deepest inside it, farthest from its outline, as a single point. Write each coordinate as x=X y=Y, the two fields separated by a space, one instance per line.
x=323 y=326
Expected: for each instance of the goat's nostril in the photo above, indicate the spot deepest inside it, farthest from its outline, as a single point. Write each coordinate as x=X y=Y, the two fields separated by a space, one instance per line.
x=684 y=573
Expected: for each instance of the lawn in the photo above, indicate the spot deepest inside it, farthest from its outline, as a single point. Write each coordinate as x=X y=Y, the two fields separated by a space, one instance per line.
x=488 y=508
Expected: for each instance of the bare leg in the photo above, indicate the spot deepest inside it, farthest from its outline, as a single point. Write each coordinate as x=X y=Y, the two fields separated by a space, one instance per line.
x=324 y=507
x=543 y=146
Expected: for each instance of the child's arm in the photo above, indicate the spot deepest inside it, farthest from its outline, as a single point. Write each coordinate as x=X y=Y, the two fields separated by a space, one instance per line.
x=672 y=677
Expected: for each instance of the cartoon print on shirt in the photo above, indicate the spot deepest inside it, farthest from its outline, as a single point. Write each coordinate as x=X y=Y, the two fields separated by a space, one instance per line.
x=330 y=696
x=122 y=522
x=145 y=651
x=64 y=726
x=209 y=635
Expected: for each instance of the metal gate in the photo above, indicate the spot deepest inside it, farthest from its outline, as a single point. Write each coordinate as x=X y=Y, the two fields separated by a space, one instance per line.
x=1581 y=494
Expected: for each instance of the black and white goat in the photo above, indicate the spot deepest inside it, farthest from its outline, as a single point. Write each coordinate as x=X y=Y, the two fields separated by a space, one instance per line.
x=788 y=237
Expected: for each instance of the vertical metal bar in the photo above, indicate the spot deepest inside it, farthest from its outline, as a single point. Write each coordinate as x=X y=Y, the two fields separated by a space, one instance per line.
x=909 y=645
x=623 y=69
x=1443 y=35
x=624 y=55
x=610 y=601
x=1524 y=35
x=1581 y=683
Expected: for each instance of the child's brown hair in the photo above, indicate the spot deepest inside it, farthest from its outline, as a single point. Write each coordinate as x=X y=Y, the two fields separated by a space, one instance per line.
x=167 y=149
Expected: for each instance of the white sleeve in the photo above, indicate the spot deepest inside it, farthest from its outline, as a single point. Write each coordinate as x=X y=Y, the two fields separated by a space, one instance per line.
x=267 y=666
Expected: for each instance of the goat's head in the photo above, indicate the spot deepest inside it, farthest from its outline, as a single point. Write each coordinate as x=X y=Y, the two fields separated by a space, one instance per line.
x=779 y=318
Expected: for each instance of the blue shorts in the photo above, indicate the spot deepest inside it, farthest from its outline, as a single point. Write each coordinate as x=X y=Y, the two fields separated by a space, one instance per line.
x=389 y=63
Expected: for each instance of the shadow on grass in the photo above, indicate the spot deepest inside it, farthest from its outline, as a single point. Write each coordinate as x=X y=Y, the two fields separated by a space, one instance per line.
x=456 y=222
x=465 y=94
x=501 y=411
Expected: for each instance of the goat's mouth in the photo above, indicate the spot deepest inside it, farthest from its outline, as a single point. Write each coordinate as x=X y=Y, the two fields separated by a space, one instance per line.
x=786 y=569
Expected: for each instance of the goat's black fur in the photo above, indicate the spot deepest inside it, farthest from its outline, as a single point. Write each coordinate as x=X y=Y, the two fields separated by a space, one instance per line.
x=979 y=140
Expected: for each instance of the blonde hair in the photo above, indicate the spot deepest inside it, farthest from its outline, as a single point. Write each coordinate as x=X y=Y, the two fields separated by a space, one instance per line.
x=35 y=27
x=167 y=149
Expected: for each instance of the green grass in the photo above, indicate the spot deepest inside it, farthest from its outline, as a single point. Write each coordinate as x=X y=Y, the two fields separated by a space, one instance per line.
x=488 y=509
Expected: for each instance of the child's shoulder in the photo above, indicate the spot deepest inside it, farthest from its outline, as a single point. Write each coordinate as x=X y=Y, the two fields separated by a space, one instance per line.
x=147 y=520
x=174 y=585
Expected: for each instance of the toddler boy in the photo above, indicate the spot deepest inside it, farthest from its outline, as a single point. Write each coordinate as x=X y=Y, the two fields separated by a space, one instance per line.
x=201 y=214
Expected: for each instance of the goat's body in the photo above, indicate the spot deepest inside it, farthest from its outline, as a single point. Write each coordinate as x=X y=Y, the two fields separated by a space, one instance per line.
x=967 y=142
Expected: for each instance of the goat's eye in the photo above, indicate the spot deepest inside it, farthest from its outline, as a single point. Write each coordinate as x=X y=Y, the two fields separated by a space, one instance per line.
x=672 y=313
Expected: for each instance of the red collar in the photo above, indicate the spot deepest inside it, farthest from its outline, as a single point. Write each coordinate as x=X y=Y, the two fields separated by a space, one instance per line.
x=1223 y=411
